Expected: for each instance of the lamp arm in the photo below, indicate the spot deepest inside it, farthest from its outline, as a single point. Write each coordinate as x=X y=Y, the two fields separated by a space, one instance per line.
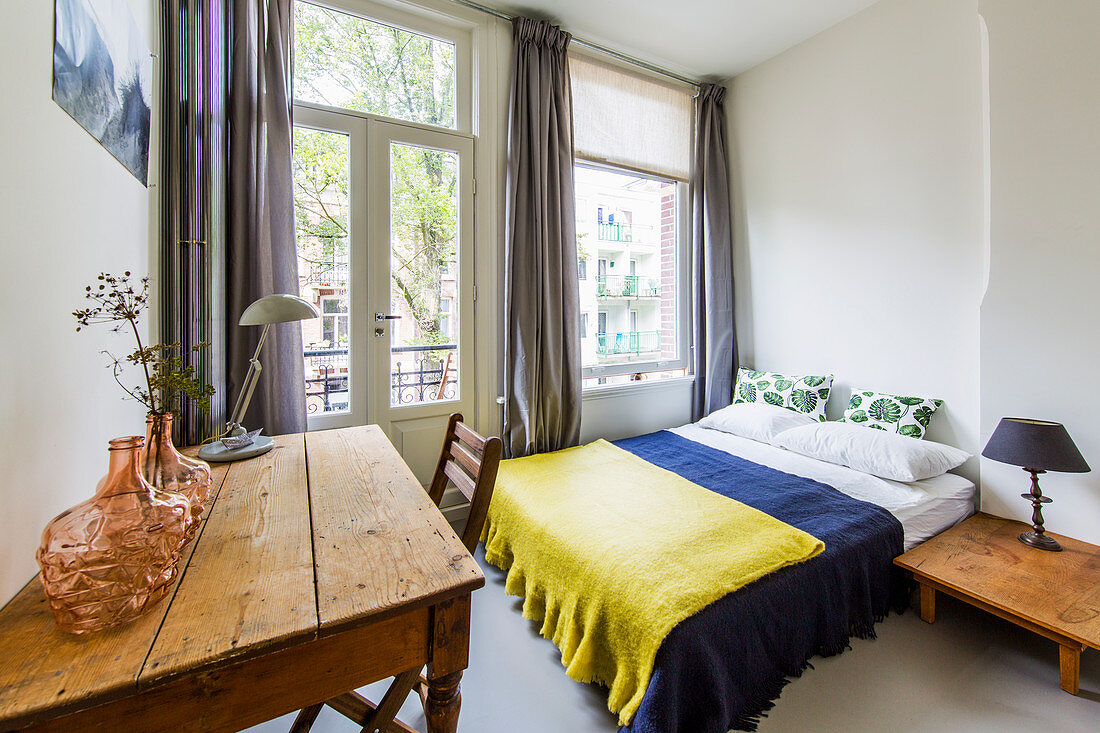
x=251 y=379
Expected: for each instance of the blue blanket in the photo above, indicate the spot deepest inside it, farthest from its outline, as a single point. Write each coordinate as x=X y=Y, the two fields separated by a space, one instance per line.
x=724 y=667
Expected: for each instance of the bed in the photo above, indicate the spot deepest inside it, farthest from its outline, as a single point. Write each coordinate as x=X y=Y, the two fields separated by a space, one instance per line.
x=723 y=667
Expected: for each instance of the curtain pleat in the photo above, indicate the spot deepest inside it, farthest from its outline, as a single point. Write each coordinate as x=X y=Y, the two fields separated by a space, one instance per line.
x=715 y=342
x=542 y=293
x=261 y=254
x=191 y=284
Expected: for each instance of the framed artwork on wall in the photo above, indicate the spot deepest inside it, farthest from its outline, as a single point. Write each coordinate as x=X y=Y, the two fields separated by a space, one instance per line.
x=102 y=76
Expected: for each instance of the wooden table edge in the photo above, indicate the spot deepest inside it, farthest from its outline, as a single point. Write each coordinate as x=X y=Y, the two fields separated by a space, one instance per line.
x=60 y=718
x=466 y=588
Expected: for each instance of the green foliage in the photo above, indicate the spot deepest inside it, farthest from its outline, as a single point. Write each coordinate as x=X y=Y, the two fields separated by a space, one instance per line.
x=773 y=398
x=168 y=374
x=320 y=171
x=913 y=431
x=349 y=62
x=855 y=402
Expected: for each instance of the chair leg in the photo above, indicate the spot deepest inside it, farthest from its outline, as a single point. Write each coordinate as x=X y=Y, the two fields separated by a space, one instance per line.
x=422 y=691
x=391 y=702
x=305 y=718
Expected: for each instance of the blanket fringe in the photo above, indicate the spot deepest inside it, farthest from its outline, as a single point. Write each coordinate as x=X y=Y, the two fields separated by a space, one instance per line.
x=758 y=707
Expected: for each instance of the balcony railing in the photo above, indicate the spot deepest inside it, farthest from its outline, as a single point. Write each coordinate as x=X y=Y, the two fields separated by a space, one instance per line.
x=628 y=342
x=627 y=286
x=614 y=232
x=327 y=274
x=412 y=380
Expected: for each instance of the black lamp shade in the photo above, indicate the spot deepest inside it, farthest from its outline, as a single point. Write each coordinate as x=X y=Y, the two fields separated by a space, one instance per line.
x=1035 y=444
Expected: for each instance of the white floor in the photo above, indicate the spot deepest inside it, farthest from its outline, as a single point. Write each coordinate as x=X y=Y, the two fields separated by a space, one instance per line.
x=968 y=672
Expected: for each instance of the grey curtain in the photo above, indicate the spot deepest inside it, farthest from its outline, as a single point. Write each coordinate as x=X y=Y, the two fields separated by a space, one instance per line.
x=261 y=255
x=715 y=352
x=542 y=378
x=194 y=55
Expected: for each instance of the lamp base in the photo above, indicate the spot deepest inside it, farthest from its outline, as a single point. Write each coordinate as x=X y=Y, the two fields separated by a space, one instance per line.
x=217 y=453
x=1041 y=541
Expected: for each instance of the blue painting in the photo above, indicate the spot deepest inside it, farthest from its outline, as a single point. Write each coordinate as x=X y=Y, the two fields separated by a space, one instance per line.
x=102 y=73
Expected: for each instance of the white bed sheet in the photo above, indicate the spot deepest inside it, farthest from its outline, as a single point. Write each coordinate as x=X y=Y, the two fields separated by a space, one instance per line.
x=924 y=508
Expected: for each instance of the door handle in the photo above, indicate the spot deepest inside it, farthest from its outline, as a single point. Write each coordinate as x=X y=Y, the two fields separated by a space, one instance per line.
x=385 y=317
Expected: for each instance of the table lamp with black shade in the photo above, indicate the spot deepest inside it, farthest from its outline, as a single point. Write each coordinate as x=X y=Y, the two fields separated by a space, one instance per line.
x=1037 y=446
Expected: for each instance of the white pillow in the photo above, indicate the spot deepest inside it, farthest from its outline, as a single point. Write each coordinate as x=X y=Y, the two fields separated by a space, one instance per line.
x=756 y=420
x=887 y=455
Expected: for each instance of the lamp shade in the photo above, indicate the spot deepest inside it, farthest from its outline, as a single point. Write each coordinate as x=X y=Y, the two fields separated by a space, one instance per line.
x=277 y=308
x=1035 y=444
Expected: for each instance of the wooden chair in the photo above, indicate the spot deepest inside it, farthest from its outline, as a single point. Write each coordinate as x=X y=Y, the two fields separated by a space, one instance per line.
x=470 y=462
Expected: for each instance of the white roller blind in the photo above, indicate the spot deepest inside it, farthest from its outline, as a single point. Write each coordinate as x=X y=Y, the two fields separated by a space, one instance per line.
x=630 y=120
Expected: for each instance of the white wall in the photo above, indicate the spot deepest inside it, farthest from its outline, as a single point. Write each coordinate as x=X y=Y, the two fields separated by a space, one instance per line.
x=69 y=211
x=1040 y=344
x=635 y=409
x=858 y=216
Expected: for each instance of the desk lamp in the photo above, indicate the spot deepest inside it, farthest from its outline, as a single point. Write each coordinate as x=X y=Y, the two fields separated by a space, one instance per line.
x=277 y=308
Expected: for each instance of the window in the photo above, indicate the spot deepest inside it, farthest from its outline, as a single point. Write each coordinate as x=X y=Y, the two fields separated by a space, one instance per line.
x=639 y=287
x=334 y=321
x=633 y=147
x=584 y=325
x=582 y=268
x=445 y=319
x=358 y=68
x=341 y=60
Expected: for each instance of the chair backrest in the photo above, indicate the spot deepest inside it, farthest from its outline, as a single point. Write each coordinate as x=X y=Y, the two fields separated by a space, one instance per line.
x=470 y=462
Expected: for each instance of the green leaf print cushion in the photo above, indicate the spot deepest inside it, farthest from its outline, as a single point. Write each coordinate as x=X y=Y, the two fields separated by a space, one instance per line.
x=806 y=394
x=890 y=412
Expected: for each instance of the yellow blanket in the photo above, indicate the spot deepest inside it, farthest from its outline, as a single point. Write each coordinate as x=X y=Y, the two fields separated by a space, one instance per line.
x=611 y=552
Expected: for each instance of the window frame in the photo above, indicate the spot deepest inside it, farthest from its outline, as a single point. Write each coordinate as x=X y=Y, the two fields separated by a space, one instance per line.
x=422 y=23
x=361 y=127
x=683 y=284
x=336 y=317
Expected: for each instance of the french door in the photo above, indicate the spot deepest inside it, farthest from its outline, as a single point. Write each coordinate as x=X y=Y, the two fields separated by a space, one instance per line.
x=396 y=340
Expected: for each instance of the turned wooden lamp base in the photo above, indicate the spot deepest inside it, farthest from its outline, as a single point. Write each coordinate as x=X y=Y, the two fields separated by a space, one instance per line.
x=1042 y=541
x=1038 y=538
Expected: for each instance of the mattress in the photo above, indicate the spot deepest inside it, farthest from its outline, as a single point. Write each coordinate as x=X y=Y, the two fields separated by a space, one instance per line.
x=924 y=508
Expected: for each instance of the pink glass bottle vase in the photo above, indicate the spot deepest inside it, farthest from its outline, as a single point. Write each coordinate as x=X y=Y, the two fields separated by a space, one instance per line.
x=111 y=558
x=169 y=470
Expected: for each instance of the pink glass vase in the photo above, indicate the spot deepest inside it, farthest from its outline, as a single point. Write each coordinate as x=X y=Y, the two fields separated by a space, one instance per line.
x=111 y=558
x=169 y=470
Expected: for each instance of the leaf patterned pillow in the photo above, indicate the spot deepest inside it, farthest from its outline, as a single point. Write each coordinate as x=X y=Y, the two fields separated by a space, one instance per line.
x=890 y=412
x=808 y=394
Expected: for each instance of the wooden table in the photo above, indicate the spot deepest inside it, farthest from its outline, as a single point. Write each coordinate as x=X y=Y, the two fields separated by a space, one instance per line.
x=1054 y=594
x=321 y=566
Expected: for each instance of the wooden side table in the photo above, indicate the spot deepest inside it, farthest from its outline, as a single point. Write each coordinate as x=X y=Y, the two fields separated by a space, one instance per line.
x=1053 y=594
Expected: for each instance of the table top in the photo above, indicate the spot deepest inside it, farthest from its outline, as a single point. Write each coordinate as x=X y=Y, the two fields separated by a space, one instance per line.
x=982 y=559
x=327 y=532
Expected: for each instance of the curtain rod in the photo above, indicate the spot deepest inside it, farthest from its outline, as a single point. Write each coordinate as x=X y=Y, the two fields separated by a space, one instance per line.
x=594 y=46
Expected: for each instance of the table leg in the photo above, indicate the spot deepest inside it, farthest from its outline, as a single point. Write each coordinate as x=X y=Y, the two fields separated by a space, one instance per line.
x=450 y=655
x=1069 y=658
x=927 y=603
x=444 y=701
